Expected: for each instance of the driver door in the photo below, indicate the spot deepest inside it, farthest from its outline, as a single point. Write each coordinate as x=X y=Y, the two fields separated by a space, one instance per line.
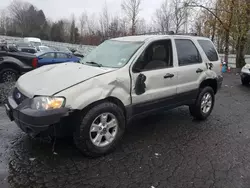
x=156 y=65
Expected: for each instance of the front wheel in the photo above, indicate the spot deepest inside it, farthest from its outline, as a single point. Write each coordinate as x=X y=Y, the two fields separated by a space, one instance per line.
x=244 y=81
x=101 y=130
x=204 y=104
x=8 y=75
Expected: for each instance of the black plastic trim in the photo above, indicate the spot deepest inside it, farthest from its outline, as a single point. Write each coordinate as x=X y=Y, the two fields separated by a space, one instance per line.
x=141 y=109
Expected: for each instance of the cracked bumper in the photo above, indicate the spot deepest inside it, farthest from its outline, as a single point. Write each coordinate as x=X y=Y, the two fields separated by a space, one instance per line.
x=33 y=121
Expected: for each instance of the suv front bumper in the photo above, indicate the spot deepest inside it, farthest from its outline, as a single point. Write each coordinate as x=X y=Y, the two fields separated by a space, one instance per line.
x=33 y=121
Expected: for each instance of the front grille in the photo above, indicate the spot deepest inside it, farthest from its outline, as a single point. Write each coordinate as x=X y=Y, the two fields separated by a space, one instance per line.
x=18 y=96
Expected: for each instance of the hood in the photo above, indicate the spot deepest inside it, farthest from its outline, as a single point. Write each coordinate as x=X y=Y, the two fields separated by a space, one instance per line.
x=50 y=79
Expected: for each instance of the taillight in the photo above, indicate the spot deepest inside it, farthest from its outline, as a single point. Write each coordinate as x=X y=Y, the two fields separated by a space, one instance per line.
x=34 y=62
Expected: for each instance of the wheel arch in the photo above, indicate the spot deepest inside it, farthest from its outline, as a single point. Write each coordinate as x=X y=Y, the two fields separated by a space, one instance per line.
x=210 y=82
x=10 y=65
x=111 y=99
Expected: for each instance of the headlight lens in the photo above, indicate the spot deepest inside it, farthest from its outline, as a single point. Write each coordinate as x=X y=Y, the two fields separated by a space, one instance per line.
x=47 y=103
x=247 y=66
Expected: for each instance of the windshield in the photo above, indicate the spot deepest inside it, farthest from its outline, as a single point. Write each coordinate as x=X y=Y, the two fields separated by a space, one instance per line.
x=112 y=53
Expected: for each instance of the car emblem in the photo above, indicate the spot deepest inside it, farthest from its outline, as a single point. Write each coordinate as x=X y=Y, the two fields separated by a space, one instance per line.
x=18 y=95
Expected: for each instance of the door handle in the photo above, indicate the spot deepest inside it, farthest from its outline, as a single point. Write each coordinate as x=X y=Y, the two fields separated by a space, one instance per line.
x=168 y=75
x=199 y=70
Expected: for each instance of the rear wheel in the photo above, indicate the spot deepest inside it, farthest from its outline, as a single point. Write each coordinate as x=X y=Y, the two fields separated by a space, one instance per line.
x=244 y=81
x=204 y=104
x=101 y=130
x=8 y=75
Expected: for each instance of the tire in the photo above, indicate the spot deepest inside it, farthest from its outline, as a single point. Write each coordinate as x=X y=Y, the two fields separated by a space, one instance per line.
x=196 y=110
x=84 y=139
x=244 y=81
x=8 y=75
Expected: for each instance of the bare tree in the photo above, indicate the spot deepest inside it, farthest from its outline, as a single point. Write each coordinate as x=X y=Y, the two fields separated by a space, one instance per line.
x=162 y=17
x=132 y=10
x=104 y=21
x=3 y=22
x=83 y=21
x=179 y=14
x=18 y=10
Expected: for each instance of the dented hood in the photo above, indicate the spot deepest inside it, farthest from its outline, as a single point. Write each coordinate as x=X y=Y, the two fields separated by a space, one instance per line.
x=48 y=80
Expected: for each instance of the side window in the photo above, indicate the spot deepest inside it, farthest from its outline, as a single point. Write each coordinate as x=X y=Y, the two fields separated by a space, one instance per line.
x=209 y=50
x=47 y=55
x=158 y=55
x=187 y=52
x=62 y=56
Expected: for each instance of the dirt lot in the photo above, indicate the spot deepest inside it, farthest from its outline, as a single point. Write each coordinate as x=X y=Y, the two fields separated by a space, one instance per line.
x=168 y=150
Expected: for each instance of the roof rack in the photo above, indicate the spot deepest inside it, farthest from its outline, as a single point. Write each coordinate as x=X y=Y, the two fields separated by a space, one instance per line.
x=167 y=33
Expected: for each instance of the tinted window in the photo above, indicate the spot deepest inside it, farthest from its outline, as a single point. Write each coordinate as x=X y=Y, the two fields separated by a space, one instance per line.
x=48 y=55
x=62 y=56
x=187 y=52
x=209 y=50
x=158 y=55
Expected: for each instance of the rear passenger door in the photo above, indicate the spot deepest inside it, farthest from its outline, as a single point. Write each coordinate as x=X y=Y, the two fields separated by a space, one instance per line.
x=61 y=57
x=191 y=68
x=212 y=56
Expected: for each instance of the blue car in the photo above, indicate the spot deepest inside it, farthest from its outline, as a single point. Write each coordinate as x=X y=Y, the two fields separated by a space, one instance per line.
x=47 y=58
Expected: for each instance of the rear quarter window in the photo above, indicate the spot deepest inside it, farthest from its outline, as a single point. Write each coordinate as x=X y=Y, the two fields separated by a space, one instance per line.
x=209 y=50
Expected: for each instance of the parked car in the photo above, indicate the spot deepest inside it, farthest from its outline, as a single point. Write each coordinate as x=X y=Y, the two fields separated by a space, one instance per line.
x=245 y=74
x=31 y=50
x=121 y=79
x=62 y=49
x=33 y=41
x=14 y=64
x=44 y=49
x=46 y=58
x=25 y=47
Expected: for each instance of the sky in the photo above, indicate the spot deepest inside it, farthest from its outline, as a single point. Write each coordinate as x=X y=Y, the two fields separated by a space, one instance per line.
x=56 y=9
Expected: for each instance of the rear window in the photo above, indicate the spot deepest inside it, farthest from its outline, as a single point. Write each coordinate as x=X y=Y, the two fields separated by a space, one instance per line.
x=209 y=50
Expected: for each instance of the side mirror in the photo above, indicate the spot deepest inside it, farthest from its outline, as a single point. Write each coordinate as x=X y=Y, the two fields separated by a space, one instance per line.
x=40 y=58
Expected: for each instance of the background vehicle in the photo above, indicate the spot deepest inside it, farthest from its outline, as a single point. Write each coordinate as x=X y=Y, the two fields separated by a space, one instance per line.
x=245 y=74
x=33 y=41
x=25 y=47
x=46 y=58
x=13 y=64
x=121 y=79
x=44 y=49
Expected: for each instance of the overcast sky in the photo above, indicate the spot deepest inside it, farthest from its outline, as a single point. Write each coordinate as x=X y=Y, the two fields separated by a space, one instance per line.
x=56 y=9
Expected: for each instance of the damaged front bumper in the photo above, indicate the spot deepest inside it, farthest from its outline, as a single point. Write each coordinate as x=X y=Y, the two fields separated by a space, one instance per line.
x=31 y=121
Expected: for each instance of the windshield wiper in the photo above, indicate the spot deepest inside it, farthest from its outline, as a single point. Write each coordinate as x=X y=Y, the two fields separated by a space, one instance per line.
x=94 y=63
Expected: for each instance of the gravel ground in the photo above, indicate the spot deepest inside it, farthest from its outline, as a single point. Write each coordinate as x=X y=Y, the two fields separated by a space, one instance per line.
x=168 y=150
x=5 y=90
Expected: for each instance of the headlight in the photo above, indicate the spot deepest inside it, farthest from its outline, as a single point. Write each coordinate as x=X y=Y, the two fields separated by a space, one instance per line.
x=247 y=66
x=47 y=103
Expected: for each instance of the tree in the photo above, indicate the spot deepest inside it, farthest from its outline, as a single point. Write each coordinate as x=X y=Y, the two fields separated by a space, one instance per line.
x=104 y=22
x=18 y=10
x=179 y=14
x=57 y=31
x=83 y=20
x=225 y=19
x=72 y=29
x=132 y=10
x=163 y=17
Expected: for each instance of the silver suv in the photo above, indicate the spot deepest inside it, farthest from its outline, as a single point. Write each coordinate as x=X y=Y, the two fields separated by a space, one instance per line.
x=121 y=79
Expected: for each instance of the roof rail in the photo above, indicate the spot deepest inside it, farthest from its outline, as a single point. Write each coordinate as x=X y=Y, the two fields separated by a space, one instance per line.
x=167 y=33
